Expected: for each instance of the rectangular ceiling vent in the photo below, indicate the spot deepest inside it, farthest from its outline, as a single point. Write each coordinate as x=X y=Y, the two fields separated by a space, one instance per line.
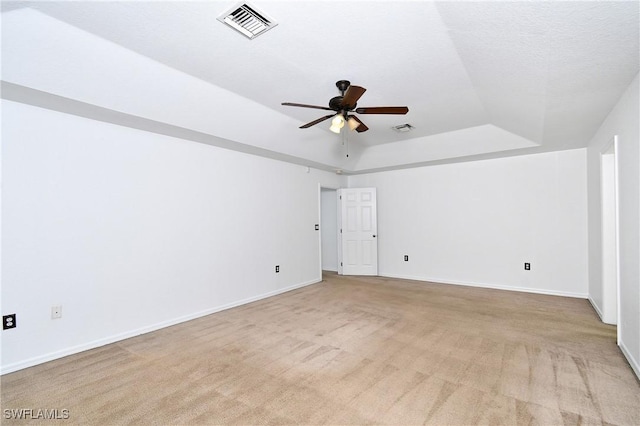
x=403 y=128
x=247 y=20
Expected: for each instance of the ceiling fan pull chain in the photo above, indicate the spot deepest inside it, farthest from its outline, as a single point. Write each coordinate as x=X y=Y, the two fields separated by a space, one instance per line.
x=345 y=138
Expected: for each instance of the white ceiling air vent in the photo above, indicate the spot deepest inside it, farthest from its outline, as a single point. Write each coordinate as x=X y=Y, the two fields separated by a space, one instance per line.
x=403 y=128
x=247 y=20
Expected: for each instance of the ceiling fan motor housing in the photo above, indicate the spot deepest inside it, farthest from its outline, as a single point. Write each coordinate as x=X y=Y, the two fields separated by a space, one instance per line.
x=336 y=104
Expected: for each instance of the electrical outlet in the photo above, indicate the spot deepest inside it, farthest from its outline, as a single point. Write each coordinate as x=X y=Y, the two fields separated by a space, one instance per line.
x=406 y=257
x=527 y=266
x=277 y=269
x=56 y=312
x=8 y=321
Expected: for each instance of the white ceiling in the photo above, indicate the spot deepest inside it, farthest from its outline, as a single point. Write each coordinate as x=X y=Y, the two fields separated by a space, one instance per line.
x=481 y=79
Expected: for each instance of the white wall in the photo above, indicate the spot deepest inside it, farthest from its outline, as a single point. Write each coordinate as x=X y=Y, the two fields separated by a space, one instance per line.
x=477 y=223
x=622 y=121
x=329 y=229
x=130 y=231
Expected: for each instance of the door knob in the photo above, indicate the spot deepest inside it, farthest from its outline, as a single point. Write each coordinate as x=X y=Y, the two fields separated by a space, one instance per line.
x=374 y=235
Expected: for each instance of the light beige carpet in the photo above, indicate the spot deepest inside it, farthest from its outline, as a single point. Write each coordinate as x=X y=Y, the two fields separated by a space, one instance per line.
x=352 y=350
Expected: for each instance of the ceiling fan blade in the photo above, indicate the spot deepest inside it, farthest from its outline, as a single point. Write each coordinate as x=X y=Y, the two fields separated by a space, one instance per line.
x=306 y=106
x=319 y=120
x=362 y=127
x=351 y=96
x=383 y=110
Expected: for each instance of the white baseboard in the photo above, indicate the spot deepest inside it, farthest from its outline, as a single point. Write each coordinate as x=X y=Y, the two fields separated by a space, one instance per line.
x=635 y=365
x=492 y=286
x=595 y=307
x=5 y=369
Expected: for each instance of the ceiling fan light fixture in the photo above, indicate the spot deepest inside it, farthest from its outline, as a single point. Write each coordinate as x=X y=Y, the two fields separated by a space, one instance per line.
x=353 y=123
x=338 y=121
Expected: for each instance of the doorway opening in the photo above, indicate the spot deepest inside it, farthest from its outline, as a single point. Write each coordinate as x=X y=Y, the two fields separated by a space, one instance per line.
x=328 y=229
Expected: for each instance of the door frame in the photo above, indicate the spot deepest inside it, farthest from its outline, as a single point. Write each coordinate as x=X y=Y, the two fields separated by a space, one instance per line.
x=320 y=188
x=609 y=181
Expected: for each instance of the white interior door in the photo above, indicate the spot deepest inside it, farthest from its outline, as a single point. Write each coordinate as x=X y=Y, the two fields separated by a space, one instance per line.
x=358 y=231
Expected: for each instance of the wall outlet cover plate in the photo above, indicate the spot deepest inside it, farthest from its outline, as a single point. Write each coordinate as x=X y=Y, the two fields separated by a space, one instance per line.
x=8 y=321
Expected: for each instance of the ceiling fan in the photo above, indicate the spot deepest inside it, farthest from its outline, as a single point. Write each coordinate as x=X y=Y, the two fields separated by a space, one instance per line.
x=344 y=105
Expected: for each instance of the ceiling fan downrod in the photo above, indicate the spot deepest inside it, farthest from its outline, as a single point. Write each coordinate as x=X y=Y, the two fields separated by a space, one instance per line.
x=335 y=103
x=343 y=85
